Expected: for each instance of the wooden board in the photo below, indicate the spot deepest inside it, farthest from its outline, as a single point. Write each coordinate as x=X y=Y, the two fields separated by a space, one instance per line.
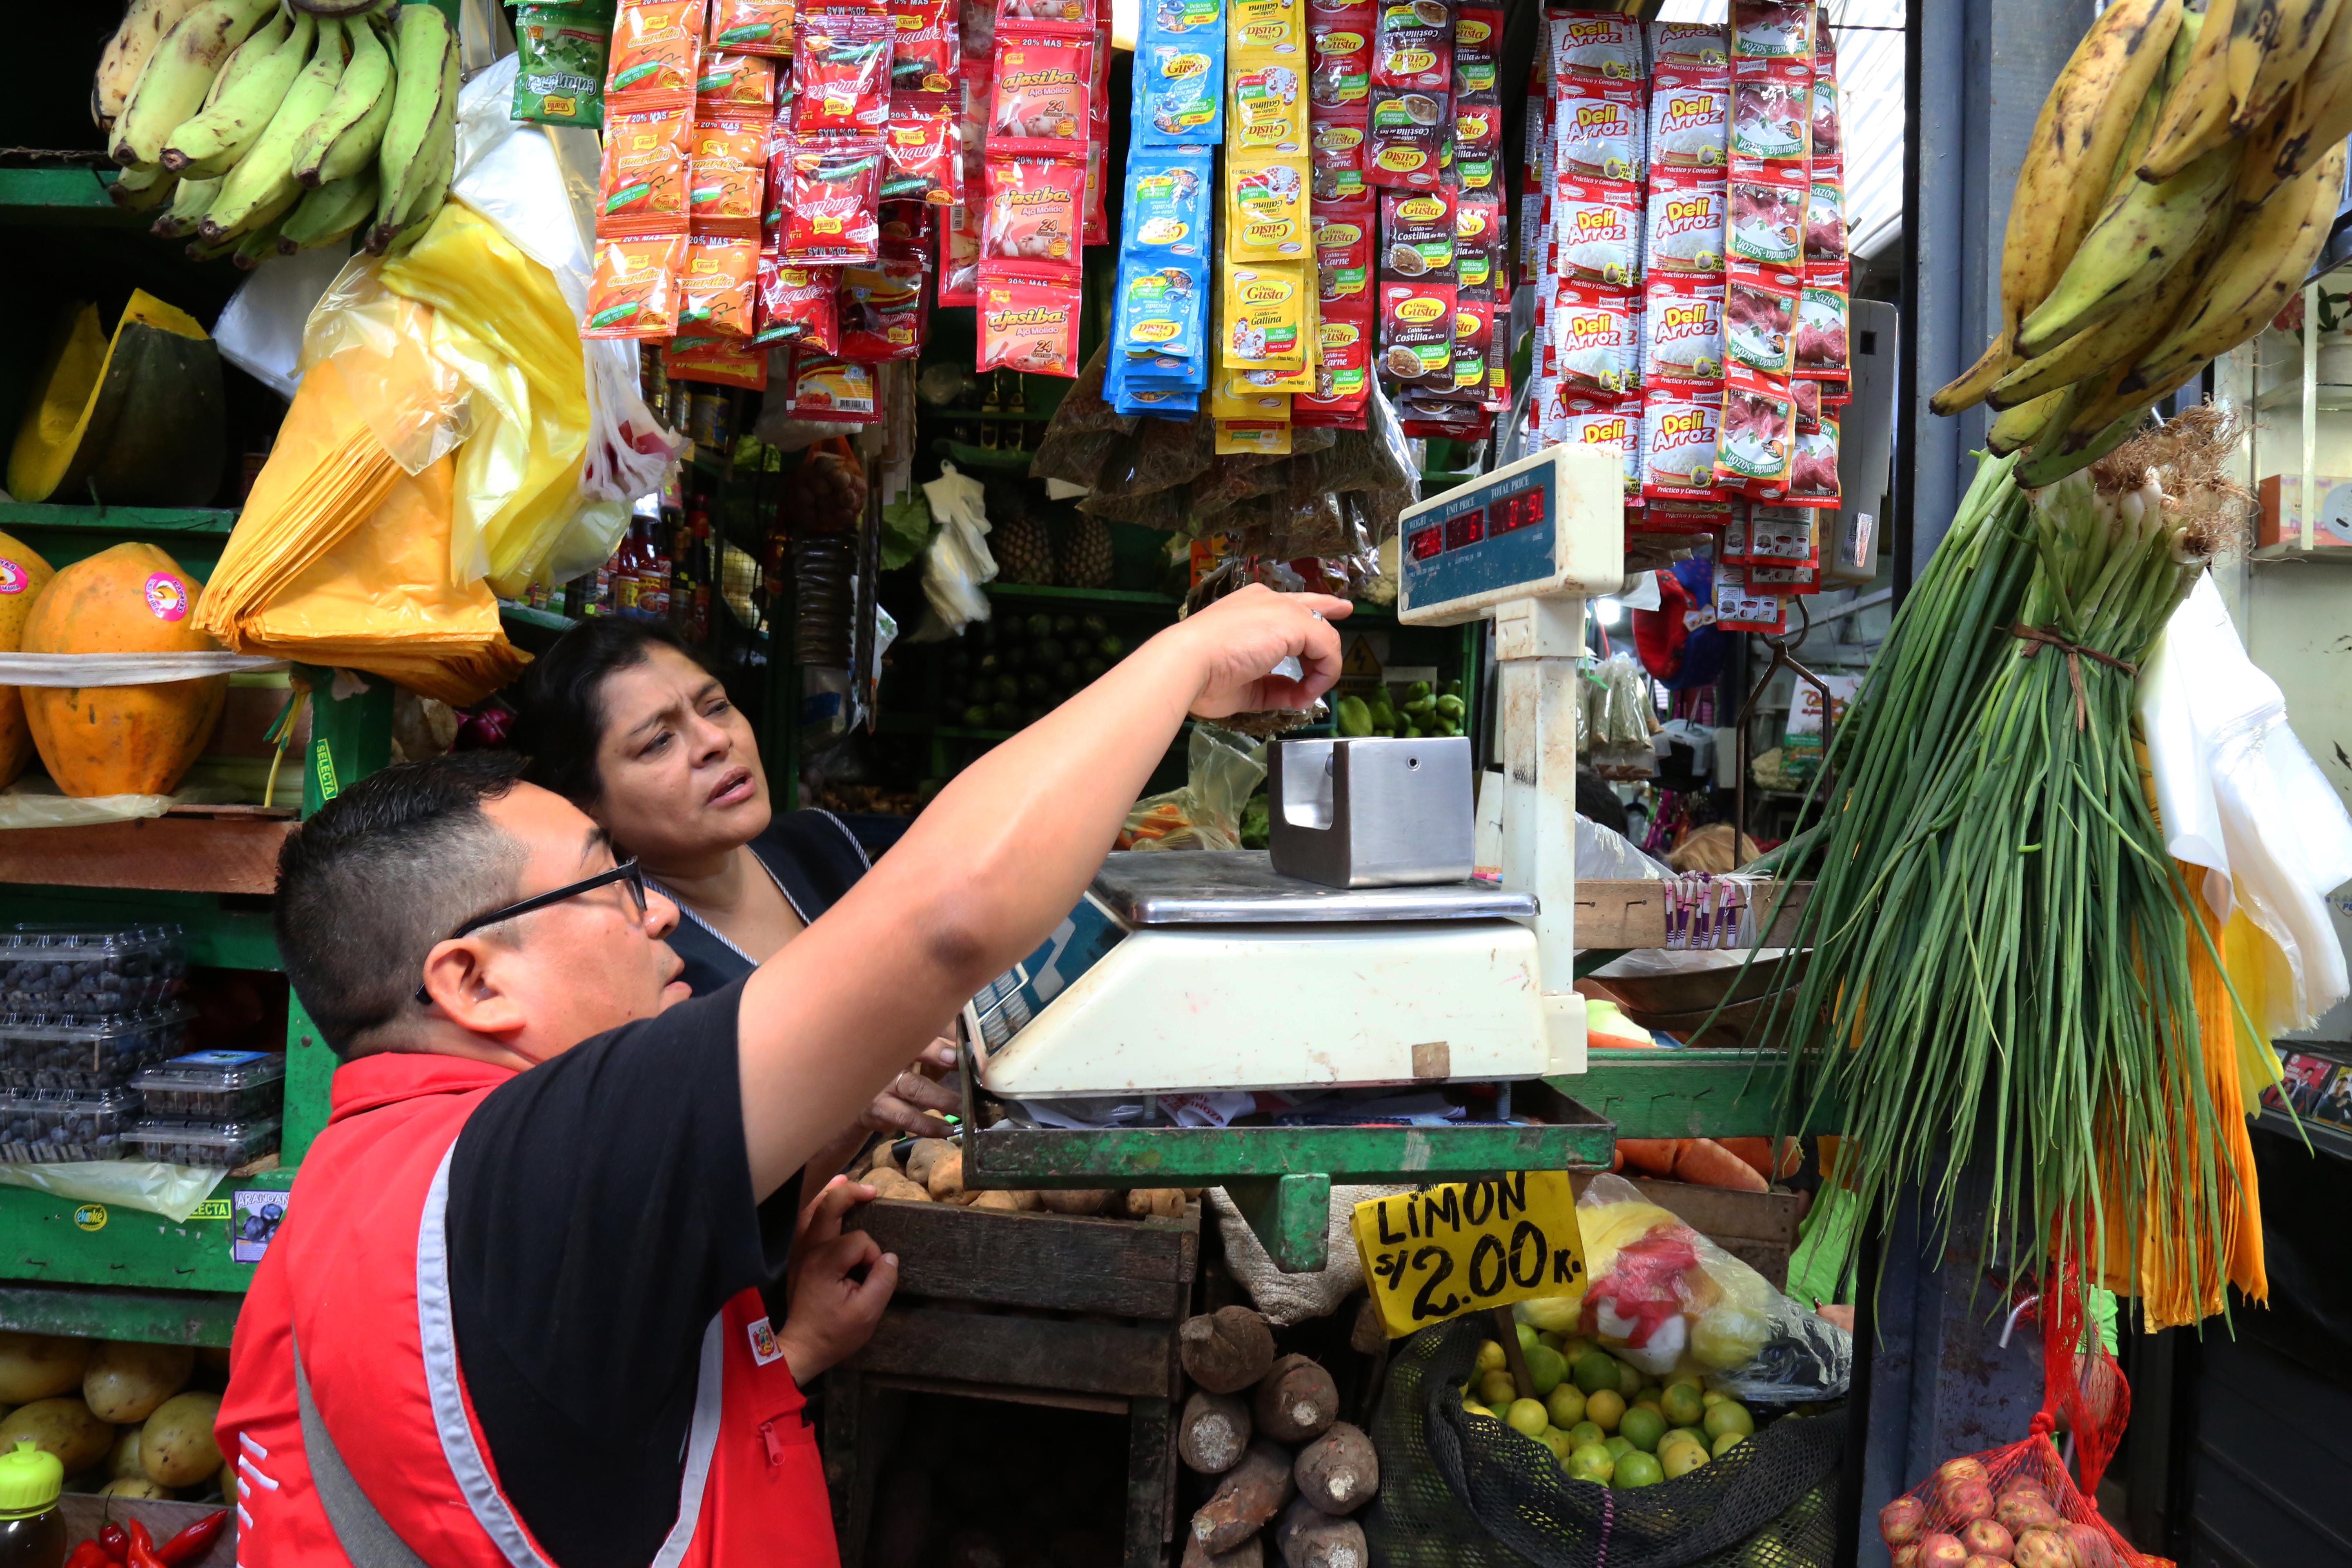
x=1033 y=1351
x=1123 y=1268
x=1612 y=914
x=208 y=849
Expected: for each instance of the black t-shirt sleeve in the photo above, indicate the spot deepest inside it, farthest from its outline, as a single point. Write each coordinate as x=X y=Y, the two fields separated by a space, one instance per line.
x=600 y=1214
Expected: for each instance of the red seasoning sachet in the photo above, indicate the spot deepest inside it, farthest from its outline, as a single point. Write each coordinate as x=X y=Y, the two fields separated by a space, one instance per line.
x=841 y=69
x=1042 y=91
x=925 y=149
x=1028 y=321
x=797 y=304
x=834 y=194
x=1034 y=214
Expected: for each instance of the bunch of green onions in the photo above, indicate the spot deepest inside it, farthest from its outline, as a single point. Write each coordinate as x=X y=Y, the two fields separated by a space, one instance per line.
x=1998 y=966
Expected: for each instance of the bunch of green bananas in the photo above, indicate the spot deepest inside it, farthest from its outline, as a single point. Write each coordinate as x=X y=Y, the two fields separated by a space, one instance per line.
x=271 y=128
x=2181 y=182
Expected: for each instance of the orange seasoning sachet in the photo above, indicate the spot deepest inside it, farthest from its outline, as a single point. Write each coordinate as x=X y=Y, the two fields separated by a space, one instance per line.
x=633 y=293
x=753 y=27
x=737 y=84
x=657 y=48
x=717 y=287
x=730 y=172
x=643 y=186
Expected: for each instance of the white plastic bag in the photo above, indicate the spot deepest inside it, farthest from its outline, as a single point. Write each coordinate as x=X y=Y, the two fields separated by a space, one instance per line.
x=2239 y=796
x=172 y=1191
x=958 y=559
x=260 y=330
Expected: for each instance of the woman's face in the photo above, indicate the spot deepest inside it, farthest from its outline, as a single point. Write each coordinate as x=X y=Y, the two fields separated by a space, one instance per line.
x=680 y=772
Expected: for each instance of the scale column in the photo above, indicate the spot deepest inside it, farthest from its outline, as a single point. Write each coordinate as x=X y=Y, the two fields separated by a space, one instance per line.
x=1538 y=643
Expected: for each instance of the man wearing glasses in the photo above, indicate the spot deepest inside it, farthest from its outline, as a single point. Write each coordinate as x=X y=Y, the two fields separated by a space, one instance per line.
x=528 y=1303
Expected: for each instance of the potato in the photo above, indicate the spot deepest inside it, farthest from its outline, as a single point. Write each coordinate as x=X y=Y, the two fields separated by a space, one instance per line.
x=62 y=1427
x=177 y=1447
x=1004 y=1202
x=920 y=1158
x=122 y=1460
x=945 y=1177
x=890 y=1184
x=132 y=1485
x=126 y=1382
x=40 y=1366
x=228 y=1482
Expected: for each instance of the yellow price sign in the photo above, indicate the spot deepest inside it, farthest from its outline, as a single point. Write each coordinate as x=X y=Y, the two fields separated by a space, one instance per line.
x=1469 y=1247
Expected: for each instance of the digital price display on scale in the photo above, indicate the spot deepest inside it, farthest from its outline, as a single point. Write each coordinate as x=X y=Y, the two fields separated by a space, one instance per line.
x=1546 y=525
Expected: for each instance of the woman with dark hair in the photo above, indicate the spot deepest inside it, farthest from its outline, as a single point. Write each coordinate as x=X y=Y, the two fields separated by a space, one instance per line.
x=620 y=719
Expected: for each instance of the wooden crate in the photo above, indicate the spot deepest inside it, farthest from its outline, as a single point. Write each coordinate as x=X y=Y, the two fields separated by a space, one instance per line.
x=1031 y=1309
x=1758 y=1228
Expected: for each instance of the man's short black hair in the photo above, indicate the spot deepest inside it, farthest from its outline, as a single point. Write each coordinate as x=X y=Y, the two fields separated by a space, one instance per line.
x=1597 y=803
x=383 y=872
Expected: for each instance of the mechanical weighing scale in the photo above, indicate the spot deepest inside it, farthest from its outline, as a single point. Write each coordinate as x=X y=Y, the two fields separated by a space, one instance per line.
x=1187 y=972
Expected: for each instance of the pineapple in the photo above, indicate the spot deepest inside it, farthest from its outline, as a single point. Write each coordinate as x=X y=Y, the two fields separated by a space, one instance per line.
x=1024 y=549
x=1084 y=558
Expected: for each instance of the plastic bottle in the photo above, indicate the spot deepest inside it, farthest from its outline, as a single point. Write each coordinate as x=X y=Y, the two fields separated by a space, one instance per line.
x=32 y=1532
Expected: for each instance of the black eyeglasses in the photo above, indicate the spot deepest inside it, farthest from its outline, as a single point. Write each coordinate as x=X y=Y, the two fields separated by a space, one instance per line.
x=627 y=873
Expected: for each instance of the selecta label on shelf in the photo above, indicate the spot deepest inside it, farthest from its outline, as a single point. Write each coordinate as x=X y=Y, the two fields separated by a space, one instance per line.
x=1685 y=214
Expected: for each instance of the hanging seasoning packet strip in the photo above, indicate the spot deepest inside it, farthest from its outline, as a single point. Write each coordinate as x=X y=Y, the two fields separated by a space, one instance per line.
x=833 y=211
x=729 y=174
x=1825 y=238
x=715 y=361
x=1700 y=48
x=924 y=57
x=1478 y=244
x=1474 y=334
x=833 y=391
x=1416 y=46
x=1477 y=139
x=1097 y=160
x=1267 y=206
x=1771 y=116
x=1028 y=321
x=1821 y=345
x=1767 y=220
x=1684 y=219
x=1265 y=316
x=716 y=286
x=1599 y=134
x=1417 y=235
x=1337 y=149
x=881 y=306
x=656 y=47
x=1339 y=54
x=841 y=69
x=1072 y=15
x=1813 y=475
x=1594 y=45
x=797 y=304
x=739 y=84
x=1756 y=437
x=1690 y=122
x=1032 y=213
x=643 y=187
x=1764 y=31
x=1417 y=334
x=1824 y=109
x=1344 y=244
x=1760 y=311
x=1682 y=336
x=1269 y=114
x=924 y=147
x=752 y=27
x=1592 y=335
x=1408 y=136
x=559 y=77
x=1478 y=45
x=1042 y=87
x=959 y=247
x=634 y=293
x=1180 y=74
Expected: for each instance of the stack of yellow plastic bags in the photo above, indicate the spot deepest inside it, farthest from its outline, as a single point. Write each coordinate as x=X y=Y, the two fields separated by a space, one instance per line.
x=436 y=441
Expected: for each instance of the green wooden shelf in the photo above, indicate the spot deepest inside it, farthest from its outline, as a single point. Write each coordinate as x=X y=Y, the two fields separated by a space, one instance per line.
x=47 y=1240
x=114 y=1312
x=202 y=520
x=1687 y=1093
x=63 y=193
x=983 y=456
x=1137 y=597
x=546 y=620
x=217 y=932
x=984 y=414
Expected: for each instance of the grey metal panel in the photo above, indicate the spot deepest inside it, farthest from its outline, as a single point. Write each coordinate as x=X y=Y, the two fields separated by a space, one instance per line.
x=1241 y=886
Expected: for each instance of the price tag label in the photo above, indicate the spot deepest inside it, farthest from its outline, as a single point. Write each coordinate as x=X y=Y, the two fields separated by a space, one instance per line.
x=1469 y=1247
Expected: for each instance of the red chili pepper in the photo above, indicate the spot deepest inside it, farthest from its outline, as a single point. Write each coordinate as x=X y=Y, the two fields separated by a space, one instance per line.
x=143 y=1547
x=192 y=1543
x=116 y=1544
x=88 y=1555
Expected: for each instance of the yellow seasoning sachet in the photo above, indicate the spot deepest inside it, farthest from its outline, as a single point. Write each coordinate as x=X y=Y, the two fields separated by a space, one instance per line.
x=1264 y=315
x=1232 y=396
x=1266 y=71
x=1234 y=438
x=1266 y=207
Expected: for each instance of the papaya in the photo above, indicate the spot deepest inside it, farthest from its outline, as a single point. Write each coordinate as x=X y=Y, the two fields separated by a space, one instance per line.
x=121 y=739
x=23 y=575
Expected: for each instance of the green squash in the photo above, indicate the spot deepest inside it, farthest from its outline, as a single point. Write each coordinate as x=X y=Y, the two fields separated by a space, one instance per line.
x=142 y=419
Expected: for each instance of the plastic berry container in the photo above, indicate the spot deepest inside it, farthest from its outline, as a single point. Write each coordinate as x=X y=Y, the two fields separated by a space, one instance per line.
x=40 y=1127
x=81 y=971
x=216 y=1085
x=223 y=1144
x=89 y=1055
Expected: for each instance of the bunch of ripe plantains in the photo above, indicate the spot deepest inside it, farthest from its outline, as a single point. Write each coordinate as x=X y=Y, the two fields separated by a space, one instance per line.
x=262 y=128
x=2180 y=183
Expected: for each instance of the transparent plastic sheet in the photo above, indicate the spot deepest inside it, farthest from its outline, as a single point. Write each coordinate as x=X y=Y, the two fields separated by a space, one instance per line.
x=419 y=415
x=1221 y=770
x=1084 y=432
x=261 y=329
x=1162 y=455
x=172 y=1191
x=1459 y=1491
x=1660 y=1295
x=1605 y=855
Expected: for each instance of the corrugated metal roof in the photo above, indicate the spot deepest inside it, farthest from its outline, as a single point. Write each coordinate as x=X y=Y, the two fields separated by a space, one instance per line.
x=1869 y=35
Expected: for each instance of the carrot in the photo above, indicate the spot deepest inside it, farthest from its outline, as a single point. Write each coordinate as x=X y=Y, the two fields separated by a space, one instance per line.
x=1651 y=1156
x=1709 y=1163
x=1756 y=1152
